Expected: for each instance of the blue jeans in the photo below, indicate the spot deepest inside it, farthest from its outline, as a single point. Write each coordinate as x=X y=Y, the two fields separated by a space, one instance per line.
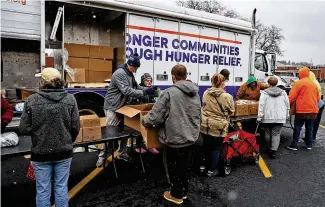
x=299 y=123
x=212 y=149
x=43 y=173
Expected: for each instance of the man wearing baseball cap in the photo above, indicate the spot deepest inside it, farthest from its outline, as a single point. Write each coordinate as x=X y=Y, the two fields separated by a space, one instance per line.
x=123 y=87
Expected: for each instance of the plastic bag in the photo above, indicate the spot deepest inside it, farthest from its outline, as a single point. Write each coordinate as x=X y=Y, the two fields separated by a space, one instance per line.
x=9 y=139
x=30 y=172
x=70 y=71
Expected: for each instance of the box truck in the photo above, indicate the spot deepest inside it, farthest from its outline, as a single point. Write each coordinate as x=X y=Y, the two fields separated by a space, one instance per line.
x=163 y=36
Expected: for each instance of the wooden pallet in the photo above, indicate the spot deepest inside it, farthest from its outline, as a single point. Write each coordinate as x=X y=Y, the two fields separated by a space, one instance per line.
x=88 y=85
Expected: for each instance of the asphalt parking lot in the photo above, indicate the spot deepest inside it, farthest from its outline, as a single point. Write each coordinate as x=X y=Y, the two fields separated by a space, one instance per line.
x=298 y=180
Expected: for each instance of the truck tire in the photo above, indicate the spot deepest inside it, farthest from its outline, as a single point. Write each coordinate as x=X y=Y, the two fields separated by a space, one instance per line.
x=90 y=103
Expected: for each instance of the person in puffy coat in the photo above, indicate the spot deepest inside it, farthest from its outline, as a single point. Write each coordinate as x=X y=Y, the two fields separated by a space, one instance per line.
x=218 y=106
x=273 y=110
x=51 y=116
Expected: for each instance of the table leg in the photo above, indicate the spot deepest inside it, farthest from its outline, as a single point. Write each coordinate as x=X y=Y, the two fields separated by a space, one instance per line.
x=132 y=152
x=105 y=154
x=113 y=160
x=139 y=147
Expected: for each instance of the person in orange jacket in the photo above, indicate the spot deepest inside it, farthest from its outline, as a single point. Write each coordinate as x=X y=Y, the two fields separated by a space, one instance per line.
x=305 y=93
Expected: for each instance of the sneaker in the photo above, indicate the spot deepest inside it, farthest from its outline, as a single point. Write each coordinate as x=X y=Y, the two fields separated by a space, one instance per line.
x=202 y=169
x=154 y=151
x=185 y=197
x=272 y=154
x=308 y=148
x=124 y=157
x=100 y=162
x=212 y=173
x=170 y=198
x=292 y=147
x=142 y=150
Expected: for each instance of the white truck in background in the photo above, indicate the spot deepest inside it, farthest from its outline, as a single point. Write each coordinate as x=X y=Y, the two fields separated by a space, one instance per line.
x=162 y=35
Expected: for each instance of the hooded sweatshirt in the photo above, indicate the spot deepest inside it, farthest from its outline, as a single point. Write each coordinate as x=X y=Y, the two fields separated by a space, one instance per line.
x=52 y=119
x=313 y=78
x=177 y=115
x=273 y=106
x=305 y=93
x=217 y=108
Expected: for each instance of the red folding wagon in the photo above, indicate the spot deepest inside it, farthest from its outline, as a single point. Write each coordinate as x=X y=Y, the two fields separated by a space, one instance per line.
x=239 y=145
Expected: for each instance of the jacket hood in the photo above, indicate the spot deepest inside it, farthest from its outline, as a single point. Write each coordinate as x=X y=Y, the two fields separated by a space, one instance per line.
x=273 y=91
x=187 y=87
x=215 y=92
x=303 y=72
x=312 y=76
x=55 y=95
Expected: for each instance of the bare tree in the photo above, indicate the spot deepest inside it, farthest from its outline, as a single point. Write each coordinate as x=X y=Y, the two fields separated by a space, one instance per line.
x=268 y=38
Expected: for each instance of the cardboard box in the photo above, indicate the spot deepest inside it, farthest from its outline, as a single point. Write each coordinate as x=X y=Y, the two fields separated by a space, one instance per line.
x=77 y=50
x=100 y=65
x=49 y=62
x=89 y=121
x=103 y=121
x=78 y=62
x=79 y=137
x=98 y=76
x=241 y=110
x=80 y=76
x=150 y=136
x=253 y=108
x=119 y=53
x=132 y=118
x=103 y=52
x=91 y=133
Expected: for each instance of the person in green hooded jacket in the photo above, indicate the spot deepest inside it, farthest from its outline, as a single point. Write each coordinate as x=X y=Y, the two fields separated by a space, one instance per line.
x=251 y=90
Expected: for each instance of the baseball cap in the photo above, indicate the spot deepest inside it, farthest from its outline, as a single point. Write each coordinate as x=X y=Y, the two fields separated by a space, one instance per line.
x=49 y=74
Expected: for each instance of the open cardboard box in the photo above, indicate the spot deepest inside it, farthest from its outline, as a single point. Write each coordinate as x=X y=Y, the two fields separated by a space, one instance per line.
x=132 y=118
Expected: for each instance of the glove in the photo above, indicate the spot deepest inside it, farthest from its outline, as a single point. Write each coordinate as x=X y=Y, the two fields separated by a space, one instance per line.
x=149 y=91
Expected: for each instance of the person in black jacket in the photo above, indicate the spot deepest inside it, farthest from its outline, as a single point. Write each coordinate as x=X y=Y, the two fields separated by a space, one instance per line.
x=51 y=117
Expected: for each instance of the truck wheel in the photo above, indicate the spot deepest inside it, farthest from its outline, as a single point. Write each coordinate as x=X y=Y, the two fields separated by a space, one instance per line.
x=90 y=103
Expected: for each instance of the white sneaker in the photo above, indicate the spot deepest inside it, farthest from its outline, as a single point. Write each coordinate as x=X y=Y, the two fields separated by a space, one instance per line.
x=100 y=162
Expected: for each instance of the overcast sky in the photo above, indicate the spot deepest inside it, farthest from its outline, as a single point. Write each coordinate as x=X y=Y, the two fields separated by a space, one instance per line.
x=303 y=24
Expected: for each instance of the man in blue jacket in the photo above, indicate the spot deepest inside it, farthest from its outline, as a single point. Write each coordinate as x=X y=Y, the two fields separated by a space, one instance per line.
x=122 y=89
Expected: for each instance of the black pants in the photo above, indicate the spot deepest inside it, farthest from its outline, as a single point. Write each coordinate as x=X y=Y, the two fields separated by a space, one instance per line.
x=317 y=122
x=178 y=168
x=212 y=148
x=249 y=126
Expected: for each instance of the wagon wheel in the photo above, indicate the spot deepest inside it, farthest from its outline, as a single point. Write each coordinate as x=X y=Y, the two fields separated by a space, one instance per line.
x=257 y=159
x=227 y=169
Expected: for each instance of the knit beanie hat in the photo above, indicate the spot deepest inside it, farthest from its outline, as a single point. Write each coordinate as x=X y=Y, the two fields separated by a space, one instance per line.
x=134 y=60
x=251 y=80
x=144 y=77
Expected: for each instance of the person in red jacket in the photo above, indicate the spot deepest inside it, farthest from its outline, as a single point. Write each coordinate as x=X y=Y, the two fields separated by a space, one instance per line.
x=7 y=113
x=305 y=93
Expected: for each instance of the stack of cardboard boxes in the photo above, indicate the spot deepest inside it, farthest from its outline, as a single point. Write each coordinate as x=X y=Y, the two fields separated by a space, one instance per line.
x=246 y=108
x=91 y=64
x=90 y=128
x=119 y=55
